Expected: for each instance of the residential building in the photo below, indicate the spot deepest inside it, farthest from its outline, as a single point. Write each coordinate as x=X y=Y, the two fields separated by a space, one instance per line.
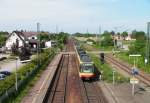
x=22 y=38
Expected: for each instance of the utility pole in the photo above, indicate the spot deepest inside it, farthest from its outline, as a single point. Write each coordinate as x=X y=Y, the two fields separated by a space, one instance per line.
x=57 y=31
x=38 y=44
x=114 y=77
x=99 y=34
x=147 y=44
x=99 y=30
x=87 y=31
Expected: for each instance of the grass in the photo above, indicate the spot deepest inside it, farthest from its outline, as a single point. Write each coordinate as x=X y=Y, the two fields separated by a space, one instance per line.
x=107 y=71
x=97 y=47
x=128 y=42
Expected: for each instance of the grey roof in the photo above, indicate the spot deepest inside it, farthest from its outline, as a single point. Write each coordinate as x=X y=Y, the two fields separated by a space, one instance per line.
x=29 y=34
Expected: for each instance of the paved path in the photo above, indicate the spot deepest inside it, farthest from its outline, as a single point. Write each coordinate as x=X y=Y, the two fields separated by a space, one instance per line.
x=123 y=93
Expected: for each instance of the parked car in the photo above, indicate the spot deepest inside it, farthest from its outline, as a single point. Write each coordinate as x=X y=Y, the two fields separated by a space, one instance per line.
x=2 y=76
x=6 y=73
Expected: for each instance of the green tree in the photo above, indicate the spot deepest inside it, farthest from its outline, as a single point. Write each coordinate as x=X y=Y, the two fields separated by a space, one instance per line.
x=3 y=37
x=139 y=46
x=140 y=35
x=107 y=39
x=43 y=36
x=124 y=34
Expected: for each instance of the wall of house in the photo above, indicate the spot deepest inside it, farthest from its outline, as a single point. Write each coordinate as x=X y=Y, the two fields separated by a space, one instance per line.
x=48 y=44
x=11 y=40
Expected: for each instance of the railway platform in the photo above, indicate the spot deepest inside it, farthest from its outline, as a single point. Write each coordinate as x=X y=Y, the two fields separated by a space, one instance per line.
x=38 y=91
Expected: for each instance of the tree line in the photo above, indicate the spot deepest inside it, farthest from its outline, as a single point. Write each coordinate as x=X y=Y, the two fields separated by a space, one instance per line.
x=3 y=38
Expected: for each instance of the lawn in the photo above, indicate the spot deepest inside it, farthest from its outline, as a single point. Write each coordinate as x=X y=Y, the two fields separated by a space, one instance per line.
x=107 y=71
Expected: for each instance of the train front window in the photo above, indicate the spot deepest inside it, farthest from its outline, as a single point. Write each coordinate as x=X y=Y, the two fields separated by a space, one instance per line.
x=87 y=69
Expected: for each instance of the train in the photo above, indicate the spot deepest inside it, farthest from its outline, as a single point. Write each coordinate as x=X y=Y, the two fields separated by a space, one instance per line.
x=87 y=69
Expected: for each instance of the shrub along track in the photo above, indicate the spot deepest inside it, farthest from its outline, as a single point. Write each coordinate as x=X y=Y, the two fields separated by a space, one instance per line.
x=142 y=77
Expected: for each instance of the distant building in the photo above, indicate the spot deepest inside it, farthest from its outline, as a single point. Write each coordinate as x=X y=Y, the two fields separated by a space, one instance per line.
x=89 y=42
x=119 y=37
x=22 y=38
x=50 y=44
x=129 y=38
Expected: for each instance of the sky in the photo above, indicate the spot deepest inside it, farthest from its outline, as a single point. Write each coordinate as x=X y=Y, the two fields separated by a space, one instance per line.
x=75 y=15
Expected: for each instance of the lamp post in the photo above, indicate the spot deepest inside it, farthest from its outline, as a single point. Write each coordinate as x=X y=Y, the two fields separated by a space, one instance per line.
x=114 y=77
x=114 y=71
x=38 y=43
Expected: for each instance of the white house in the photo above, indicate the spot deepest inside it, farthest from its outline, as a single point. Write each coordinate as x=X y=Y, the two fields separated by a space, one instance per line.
x=22 y=38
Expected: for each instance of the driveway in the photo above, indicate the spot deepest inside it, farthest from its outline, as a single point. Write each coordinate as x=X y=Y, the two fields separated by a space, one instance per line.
x=9 y=65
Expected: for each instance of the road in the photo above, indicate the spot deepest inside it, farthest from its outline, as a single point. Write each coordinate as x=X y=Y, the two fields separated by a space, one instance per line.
x=9 y=65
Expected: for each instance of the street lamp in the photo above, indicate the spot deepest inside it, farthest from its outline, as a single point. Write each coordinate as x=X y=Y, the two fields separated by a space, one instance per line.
x=114 y=71
x=114 y=77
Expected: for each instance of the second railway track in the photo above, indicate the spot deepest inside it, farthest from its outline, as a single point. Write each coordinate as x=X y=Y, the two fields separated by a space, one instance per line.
x=142 y=77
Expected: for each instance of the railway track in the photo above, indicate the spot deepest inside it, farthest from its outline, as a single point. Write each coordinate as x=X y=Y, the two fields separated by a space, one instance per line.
x=57 y=91
x=142 y=77
x=93 y=92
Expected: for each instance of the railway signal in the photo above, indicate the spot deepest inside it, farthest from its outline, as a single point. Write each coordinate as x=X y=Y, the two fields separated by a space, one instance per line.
x=102 y=58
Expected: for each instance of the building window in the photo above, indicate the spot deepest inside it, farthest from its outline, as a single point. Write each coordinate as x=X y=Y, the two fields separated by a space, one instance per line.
x=33 y=38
